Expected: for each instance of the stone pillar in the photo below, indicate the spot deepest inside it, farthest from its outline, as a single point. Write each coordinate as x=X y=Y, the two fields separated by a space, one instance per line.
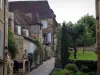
x=98 y=35
x=29 y=66
x=5 y=68
x=23 y=66
x=1 y=69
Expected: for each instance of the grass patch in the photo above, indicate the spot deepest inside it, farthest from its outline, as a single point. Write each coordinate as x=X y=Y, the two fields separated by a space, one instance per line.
x=88 y=55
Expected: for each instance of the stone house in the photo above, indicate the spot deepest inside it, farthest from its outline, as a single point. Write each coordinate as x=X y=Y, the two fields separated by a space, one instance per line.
x=18 y=19
x=3 y=35
x=18 y=23
x=40 y=12
x=24 y=45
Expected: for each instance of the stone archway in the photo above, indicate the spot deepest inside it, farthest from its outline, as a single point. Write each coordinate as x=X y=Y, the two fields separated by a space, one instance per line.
x=26 y=66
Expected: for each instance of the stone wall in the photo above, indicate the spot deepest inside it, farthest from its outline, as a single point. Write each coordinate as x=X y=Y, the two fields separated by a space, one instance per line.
x=2 y=35
x=19 y=44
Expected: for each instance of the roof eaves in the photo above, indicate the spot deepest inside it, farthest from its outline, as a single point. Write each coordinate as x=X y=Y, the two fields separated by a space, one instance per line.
x=31 y=40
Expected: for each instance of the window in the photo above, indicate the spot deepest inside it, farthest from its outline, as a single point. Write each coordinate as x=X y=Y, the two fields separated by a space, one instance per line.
x=1 y=48
x=32 y=47
x=0 y=4
x=49 y=37
x=45 y=23
x=19 y=29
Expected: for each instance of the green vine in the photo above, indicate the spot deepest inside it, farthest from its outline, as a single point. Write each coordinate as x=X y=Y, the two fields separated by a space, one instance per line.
x=38 y=51
x=12 y=49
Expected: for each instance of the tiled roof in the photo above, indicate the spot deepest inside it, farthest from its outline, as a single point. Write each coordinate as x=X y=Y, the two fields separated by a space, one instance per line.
x=40 y=8
x=21 y=18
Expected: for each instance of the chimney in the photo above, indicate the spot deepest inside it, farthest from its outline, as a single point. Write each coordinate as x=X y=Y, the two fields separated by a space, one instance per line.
x=25 y=32
x=11 y=21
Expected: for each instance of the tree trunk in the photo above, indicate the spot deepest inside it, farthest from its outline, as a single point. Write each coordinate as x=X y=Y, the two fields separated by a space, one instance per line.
x=83 y=49
x=83 y=46
x=75 y=52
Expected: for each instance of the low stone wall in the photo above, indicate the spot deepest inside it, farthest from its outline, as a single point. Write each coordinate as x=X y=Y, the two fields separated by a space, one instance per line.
x=91 y=48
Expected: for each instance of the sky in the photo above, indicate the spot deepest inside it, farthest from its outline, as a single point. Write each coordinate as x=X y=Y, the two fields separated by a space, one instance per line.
x=70 y=10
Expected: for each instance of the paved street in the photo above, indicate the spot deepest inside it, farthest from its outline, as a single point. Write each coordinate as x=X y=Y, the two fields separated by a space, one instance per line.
x=45 y=69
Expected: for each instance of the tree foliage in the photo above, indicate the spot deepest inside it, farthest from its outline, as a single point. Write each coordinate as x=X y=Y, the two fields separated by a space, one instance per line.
x=83 y=32
x=64 y=46
x=39 y=51
x=89 y=34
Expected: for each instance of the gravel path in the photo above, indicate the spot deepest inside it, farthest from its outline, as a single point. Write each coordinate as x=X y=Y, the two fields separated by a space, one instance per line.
x=45 y=69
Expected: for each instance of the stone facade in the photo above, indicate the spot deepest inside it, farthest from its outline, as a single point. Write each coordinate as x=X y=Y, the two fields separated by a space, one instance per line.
x=49 y=29
x=19 y=44
x=24 y=46
x=3 y=35
x=36 y=32
x=9 y=65
x=40 y=12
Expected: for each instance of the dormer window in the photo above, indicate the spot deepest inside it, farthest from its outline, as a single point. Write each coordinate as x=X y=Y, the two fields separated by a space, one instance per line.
x=25 y=32
x=45 y=23
x=19 y=29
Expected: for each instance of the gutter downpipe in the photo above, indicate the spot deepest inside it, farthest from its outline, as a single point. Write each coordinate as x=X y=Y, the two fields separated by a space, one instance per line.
x=4 y=36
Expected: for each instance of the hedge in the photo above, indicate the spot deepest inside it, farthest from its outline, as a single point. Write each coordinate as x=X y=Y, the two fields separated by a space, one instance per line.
x=91 y=64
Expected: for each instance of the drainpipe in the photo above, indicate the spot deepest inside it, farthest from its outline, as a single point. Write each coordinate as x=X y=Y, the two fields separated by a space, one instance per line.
x=4 y=35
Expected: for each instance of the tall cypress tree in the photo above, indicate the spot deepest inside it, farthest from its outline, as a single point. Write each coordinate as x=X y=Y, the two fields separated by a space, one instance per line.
x=64 y=46
x=58 y=49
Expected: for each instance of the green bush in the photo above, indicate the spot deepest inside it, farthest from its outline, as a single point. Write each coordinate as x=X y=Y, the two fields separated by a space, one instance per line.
x=71 y=67
x=84 y=69
x=64 y=71
x=59 y=72
x=81 y=73
x=91 y=64
x=92 y=73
